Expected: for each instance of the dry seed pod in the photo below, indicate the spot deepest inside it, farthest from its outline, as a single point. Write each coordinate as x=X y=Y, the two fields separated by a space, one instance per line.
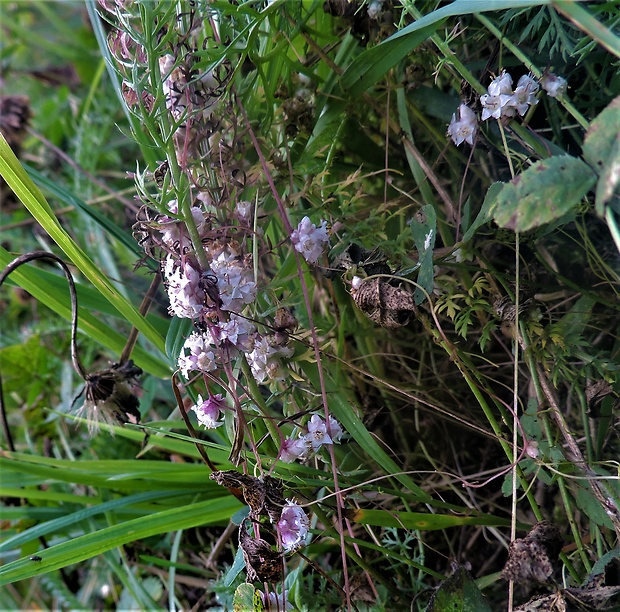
x=389 y=306
x=264 y=495
x=14 y=116
x=545 y=603
x=531 y=558
x=262 y=563
x=109 y=397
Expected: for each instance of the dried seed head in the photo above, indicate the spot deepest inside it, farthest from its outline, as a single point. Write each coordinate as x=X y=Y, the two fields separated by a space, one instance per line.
x=109 y=397
x=531 y=558
x=389 y=306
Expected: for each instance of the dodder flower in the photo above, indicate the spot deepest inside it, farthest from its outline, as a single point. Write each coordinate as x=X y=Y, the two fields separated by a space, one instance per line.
x=524 y=95
x=294 y=448
x=310 y=240
x=276 y=602
x=219 y=344
x=197 y=354
x=265 y=361
x=292 y=526
x=208 y=411
x=554 y=85
x=317 y=432
x=186 y=295
x=464 y=128
x=235 y=281
x=501 y=85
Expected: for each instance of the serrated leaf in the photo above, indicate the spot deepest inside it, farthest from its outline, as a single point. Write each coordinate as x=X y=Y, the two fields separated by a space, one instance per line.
x=547 y=191
x=601 y=149
x=458 y=593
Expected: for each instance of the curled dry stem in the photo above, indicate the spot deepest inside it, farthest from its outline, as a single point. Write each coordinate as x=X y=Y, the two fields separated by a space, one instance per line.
x=77 y=365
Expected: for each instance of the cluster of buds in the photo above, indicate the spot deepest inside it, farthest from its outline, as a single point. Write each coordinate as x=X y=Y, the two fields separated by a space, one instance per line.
x=501 y=102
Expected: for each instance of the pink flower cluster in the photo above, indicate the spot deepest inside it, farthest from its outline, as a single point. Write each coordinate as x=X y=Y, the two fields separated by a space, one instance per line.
x=311 y=441
x=293 y=526
x=310 y=240
x=209 y=411
x=206 y=351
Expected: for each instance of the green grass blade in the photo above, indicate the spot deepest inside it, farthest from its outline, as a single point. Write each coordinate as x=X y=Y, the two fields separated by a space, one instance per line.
x=47 y=292
x=216 y=511
x=32 y=198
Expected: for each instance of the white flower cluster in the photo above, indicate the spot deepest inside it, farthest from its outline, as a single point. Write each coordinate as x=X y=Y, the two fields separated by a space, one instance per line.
x=501 y=102
x=310 y=240
x=265 y=361
x=292 y=526
x=206 y=351
x=235 y=281
x=311 y=441
x=184 y=287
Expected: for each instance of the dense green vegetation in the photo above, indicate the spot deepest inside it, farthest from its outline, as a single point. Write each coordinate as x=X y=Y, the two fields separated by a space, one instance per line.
x=347 y=292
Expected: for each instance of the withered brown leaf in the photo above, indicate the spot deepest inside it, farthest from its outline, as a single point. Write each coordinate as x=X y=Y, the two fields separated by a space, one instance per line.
x=262 y=563
x=389 y=306
x=531 y=558
x=264 y=495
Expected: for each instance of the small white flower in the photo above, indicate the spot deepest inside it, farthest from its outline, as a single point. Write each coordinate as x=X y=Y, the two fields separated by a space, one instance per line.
x=317 y=432
x=276 y=602
x=235 y=281
x=293 y=449
x=238 y=331
x=208 y=411
x=197 y=354
x=263 y=360
x=524 y=95
x=292 y=526
x=492 y=106
x=310 y=240
x=464 y=128
x=554 y=85
x=501 y=85
x=183 y=286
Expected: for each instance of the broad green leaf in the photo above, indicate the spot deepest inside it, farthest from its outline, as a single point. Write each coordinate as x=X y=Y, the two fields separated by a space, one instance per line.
x=247 y=599
x=547 y=191
x=601 y=149
x=424 y=521
x=458 y=593
x=424 y=233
